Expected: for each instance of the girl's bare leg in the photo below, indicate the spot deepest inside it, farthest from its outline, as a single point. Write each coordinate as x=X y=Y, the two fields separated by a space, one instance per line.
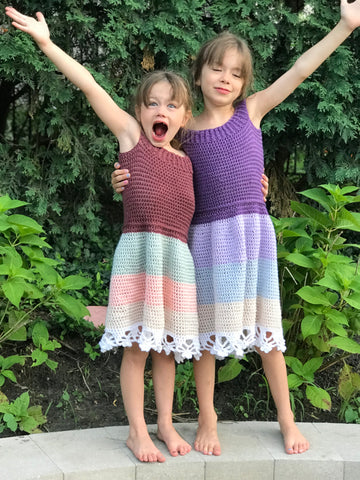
x=207 y=441
x=275 y=371
x=163 y=374
x=132 y=388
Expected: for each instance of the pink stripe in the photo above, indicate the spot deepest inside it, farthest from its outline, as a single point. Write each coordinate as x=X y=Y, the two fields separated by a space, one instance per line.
x=152 y=290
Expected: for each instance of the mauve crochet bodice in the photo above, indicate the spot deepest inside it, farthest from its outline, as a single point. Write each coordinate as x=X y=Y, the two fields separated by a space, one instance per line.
x=223 y=190
x=160 y=194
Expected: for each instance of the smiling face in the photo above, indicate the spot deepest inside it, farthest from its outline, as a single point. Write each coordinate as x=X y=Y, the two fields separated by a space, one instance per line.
x=161 y=116
x=222 y=82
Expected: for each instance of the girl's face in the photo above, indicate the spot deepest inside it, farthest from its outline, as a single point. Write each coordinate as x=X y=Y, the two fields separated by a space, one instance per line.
x=221 y=84
x=162 y=118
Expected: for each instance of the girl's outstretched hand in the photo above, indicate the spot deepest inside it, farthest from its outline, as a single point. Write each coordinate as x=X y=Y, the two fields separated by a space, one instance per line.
x=350 y=13
x=38 y=29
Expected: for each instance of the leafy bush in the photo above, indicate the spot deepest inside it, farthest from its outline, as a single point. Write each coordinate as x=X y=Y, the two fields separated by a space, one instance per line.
x=28 y=279
x=320 y=289
x=30 y=287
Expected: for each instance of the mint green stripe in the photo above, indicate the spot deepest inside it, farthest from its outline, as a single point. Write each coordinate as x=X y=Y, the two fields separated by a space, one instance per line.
x=154 y=254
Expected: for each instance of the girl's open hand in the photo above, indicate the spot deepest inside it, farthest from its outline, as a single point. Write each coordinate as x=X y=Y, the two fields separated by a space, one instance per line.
x=38 y=29
x=350 y=13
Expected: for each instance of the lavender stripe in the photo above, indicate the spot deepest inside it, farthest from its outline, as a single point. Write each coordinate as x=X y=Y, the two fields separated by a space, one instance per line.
x=233 y=240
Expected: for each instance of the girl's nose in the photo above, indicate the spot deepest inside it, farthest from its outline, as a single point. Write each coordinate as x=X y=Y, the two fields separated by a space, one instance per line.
x=161 y=110
x=225 y=76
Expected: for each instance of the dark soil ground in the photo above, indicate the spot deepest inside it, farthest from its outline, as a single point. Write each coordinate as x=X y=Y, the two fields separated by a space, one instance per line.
x=84 y=393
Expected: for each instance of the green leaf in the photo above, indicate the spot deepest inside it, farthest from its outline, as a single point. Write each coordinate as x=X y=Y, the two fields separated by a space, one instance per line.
x=320 y=343
x=36 y=412
x=26 y=225
x=313 y=295
x=331 y=282
x=10 y=421
x=28 y=424
x=336 y=328
x=336 y=316
x=9 y=374
x=33 y=240
x=52 y=364
x=230 y=370
x=20 y=405
x=346 y=344
x=310 y=212
x=295 y=364
x=39 y=357
x=355 y=283
x=40 y=333
x=74 y=282
x=19 y=335
x=318 y=397
x=319 y=196
x=354 y=300
x=49 y=275
x=310 y=325
x=8 y=362
x=311 y=366
x=302 y=260
x=14 y=289
x=6 y=203
x=71 y=306
x=349 y=382
x=348 y=220
x=294 y=381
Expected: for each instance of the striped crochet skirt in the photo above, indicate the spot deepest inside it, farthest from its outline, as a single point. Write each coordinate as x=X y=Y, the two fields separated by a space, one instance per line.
x=237 y=285
x=152 y=299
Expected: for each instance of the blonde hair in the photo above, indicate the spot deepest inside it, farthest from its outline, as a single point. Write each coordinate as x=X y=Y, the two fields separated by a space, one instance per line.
x=213 y=51
x=180 y=88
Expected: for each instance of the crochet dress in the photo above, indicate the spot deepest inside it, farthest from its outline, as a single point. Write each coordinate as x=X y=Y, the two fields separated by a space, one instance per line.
x=152 y=299
x=232 y=240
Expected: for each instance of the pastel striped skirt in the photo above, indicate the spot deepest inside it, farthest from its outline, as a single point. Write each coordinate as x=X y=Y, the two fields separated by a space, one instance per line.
x=237 y=285
x=152 y=299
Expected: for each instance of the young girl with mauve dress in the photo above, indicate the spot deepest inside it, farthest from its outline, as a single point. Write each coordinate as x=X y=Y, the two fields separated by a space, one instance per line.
x=152 y=304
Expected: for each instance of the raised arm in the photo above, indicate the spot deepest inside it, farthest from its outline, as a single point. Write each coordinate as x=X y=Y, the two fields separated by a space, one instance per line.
x=123 y=125
x=262 y=102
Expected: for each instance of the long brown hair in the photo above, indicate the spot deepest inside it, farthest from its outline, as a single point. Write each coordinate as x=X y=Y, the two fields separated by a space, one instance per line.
x=213 y=51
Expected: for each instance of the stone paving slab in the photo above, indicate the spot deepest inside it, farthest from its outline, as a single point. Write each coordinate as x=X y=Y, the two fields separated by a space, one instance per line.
x=251 y=451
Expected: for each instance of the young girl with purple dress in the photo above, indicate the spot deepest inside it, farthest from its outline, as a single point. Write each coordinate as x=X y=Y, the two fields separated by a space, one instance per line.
x=152 y=304
x=231 y=238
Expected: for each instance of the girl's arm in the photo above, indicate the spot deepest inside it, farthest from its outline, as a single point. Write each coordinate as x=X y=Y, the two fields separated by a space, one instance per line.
x=262 y=102
x=123 y=125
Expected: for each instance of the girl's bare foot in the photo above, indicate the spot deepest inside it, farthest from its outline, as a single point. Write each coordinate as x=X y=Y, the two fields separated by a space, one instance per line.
x=174 y=442
x=294 y=440
x=144 y=448
x=207 y=440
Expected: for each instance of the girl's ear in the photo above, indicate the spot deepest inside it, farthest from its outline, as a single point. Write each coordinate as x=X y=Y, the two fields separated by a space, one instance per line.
x=187 y=116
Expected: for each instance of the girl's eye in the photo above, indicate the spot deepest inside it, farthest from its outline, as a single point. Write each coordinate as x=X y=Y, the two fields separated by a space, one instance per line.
x=171 y=105
x=152 y=104
x=216 y=69
x=237 y=75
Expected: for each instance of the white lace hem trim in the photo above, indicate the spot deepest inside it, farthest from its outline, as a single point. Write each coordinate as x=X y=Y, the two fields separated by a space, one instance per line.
x=240 y=343
x=183 y=348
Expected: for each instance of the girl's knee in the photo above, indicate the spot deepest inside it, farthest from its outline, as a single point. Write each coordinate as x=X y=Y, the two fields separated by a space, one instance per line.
x=273 y=353
x=134 y=354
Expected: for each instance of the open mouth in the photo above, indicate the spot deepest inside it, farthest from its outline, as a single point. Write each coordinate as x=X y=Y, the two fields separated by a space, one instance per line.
x=159 y=130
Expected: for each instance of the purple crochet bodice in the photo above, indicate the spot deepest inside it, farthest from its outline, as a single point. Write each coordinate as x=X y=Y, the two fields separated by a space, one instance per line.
x=228 y=162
